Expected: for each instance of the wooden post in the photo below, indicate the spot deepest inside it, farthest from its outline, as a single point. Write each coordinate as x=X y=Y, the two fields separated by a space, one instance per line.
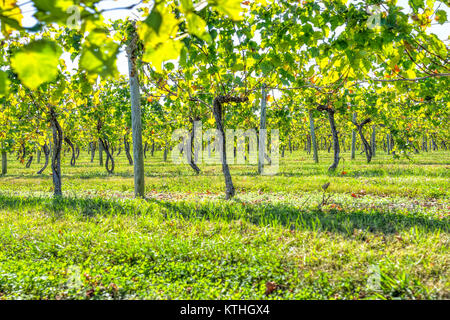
x=388 y=143
x=56 y=156
x=138 y=153
x=262 y=131
x=374 y=140
x=166 y=150
x=336 y=149
x=92 y=148
x=354 y=138
x=217 y=110
x=100 y=153
x=4 y=160
x=313 y=136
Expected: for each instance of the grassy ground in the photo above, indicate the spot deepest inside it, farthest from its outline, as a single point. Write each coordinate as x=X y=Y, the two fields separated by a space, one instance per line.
x=383 y=231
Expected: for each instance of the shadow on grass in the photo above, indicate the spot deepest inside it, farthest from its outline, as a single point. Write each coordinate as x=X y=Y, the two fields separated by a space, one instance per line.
x=262 y=215
x=375 y=221
x=172 y=171
x=59 y=206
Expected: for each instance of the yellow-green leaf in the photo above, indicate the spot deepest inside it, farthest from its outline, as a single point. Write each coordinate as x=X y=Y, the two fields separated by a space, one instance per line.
x=11 y=16
x=4 y=83
x=411 y=74
x=163 y=52
x=37 y=63
x=197 y=26
x=153 y=32
x=231 y=8
x=99 y=55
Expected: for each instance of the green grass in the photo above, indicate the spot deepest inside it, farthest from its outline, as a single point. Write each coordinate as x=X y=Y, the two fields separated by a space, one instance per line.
x=186 y=242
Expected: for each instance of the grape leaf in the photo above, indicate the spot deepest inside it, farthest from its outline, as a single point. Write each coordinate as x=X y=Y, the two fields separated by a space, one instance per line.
x=231 y=8
x=441 y=16
x=99 y=55
x=197 y=26
x=163 y=52
x=37 y=62
x=4 y=83
x=10 y=16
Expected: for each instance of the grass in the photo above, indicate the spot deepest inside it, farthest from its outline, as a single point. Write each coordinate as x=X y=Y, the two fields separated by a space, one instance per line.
x=383 y=232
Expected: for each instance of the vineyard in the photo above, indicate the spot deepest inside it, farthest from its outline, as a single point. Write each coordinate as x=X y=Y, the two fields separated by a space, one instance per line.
x=251 y=150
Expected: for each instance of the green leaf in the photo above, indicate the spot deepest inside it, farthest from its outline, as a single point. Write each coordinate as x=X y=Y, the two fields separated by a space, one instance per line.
x=231 y=8
x=10 y=17
x=57 y=94
x=430 y=3
x=4 y=83
x=266 y=67
x=187 y=6
x=183 y=57
x=99 y=55
x=169 y=66
x=168 y=28
x=441 y=16
x=37 y=63
x=411 y=74
x=416 y=4
x=237 y=67
x=165 y=51
x=154 y=20
x=197 y=26
x=52 y=11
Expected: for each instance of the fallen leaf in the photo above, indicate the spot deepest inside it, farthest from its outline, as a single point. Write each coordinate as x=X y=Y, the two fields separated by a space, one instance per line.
x=90 y=293
x=270 y=287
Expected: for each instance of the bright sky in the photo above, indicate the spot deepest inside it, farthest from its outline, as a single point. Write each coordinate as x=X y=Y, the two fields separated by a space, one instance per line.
x=442 y=31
